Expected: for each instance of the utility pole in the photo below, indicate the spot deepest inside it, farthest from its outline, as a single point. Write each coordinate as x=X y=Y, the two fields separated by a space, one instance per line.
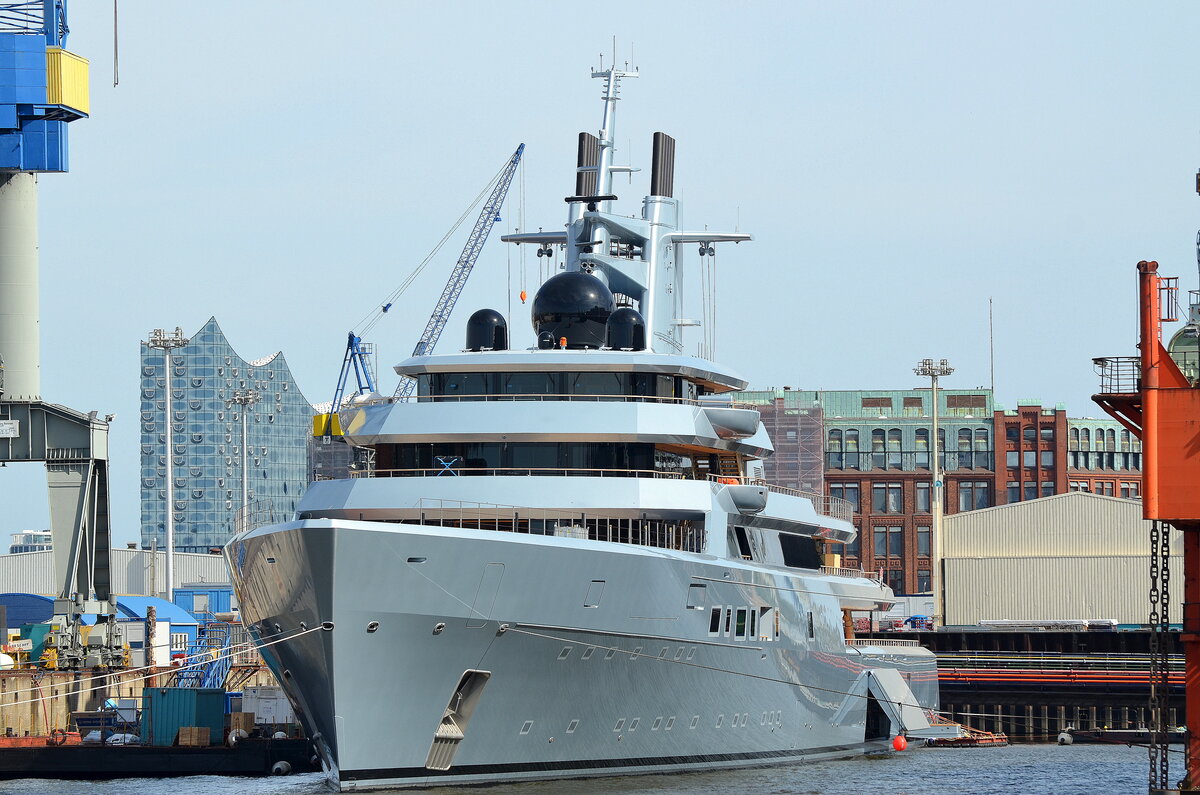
x=160 y=340
x=932 y=369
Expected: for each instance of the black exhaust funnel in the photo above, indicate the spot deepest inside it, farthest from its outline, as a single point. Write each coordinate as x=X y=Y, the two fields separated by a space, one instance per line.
x=662 y=166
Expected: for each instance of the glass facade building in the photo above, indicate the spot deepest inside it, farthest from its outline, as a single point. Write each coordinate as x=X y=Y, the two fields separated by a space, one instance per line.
x=205 y=429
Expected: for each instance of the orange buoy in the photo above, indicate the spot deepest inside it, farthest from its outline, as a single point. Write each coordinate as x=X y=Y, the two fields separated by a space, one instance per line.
x=524 y=295
x=900 y=742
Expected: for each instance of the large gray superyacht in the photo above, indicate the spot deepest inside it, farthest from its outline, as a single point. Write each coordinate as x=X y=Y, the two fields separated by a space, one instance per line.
x=559 y=563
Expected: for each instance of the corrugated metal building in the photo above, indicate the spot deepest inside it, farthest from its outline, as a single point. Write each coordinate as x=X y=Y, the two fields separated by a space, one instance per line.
x=133 y=571
x=1070 y=556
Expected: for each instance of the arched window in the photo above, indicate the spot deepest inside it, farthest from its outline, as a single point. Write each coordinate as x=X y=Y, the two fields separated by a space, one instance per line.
x=921 y=445
x=982 y=449
x=894 y=447
x=1112 y=440
x=1073 y=443
x=1124 y=441
x=1085 y=439
x=852 y=448
x=878 y=459
x=834 y=447
x=964 y=439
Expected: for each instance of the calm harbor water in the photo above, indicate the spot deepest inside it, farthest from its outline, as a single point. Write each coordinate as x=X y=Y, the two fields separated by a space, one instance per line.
x=1025 y=769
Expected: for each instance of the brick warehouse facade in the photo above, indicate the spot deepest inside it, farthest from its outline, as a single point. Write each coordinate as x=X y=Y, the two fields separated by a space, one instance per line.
x=877 y=454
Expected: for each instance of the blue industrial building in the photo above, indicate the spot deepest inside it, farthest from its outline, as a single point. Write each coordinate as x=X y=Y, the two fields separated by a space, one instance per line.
x=28 y=608
x=209 y=466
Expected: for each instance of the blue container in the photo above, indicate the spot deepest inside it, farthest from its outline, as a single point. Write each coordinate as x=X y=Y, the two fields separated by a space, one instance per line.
x=165 y=710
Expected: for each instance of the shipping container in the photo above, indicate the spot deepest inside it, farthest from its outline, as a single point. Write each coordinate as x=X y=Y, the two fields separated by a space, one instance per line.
x=166 y=710
x=269 y=705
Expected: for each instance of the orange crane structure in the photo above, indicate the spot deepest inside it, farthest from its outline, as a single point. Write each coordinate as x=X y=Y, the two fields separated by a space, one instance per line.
x=1156 y=395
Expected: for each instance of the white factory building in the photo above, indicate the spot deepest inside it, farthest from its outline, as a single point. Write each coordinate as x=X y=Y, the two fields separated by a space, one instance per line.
x=1067 y=557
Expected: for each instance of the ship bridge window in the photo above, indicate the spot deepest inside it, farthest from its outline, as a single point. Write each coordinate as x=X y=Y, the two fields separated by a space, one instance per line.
x=560 y=384
x=500 y=458
x=800 y=552
x=530 y=384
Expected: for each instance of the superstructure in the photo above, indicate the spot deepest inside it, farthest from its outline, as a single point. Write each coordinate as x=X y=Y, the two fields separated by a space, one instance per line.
x=558 y=565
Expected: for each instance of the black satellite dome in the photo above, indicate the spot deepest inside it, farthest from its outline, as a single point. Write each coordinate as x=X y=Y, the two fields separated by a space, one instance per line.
x=575 y=305
x=625 y=330
x=487 y=331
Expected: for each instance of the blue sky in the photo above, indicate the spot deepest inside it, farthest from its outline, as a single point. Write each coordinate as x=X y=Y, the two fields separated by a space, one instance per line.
x=284 y=168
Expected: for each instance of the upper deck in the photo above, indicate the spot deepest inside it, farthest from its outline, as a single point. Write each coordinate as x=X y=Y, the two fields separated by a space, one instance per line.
x=700 y=372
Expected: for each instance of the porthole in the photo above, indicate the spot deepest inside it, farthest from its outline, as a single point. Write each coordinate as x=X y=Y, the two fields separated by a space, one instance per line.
x=565 y=653
x=620 y=725
x=572 y=726
x=695 y=722
x=679 y=653
x=720 y=721
x=372 y=626
x=657 y=722
x=526 y=726
x=633 y=724
x=670 y=723
x=636 y=652
x=587 y=653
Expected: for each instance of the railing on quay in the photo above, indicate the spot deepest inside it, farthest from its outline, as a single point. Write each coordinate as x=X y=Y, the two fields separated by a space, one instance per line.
x=453 y=471
x=1052 y=661
x=677 y=534
x=835 y=507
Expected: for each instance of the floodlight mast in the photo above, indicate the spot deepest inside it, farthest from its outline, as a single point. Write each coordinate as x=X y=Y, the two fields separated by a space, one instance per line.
x=934 y=370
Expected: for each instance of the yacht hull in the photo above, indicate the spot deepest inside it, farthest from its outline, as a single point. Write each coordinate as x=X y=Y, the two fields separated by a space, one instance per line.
x=461 y=656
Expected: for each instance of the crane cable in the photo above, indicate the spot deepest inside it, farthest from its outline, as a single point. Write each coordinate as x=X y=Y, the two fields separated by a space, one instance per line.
x=369 y=320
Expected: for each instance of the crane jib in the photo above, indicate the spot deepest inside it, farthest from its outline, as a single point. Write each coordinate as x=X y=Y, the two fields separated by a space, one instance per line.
x=462 y=269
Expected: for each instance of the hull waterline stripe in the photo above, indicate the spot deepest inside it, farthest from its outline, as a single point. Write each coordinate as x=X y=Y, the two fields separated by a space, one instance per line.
x=586 y=764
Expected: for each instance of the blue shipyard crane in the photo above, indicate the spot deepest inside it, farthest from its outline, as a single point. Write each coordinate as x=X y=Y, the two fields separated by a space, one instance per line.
x=488 y=217
x=43 y=87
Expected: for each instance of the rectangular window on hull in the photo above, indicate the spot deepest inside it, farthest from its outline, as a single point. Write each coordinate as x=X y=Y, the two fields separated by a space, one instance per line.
x=714 y=623
x=766 y=620
x=740 y=626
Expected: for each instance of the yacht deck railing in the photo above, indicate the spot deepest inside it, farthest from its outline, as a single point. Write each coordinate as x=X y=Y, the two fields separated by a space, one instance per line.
x=569 y=397
x=678 y=534
x=842 y=571
x=881 y=642
x=453 y=471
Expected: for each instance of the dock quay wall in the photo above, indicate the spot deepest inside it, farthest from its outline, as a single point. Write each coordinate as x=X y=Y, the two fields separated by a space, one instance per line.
x=38 y=701
x=1032 y=685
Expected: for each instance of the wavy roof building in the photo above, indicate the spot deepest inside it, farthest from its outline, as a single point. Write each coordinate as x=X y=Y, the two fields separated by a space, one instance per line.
x=208 y=462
